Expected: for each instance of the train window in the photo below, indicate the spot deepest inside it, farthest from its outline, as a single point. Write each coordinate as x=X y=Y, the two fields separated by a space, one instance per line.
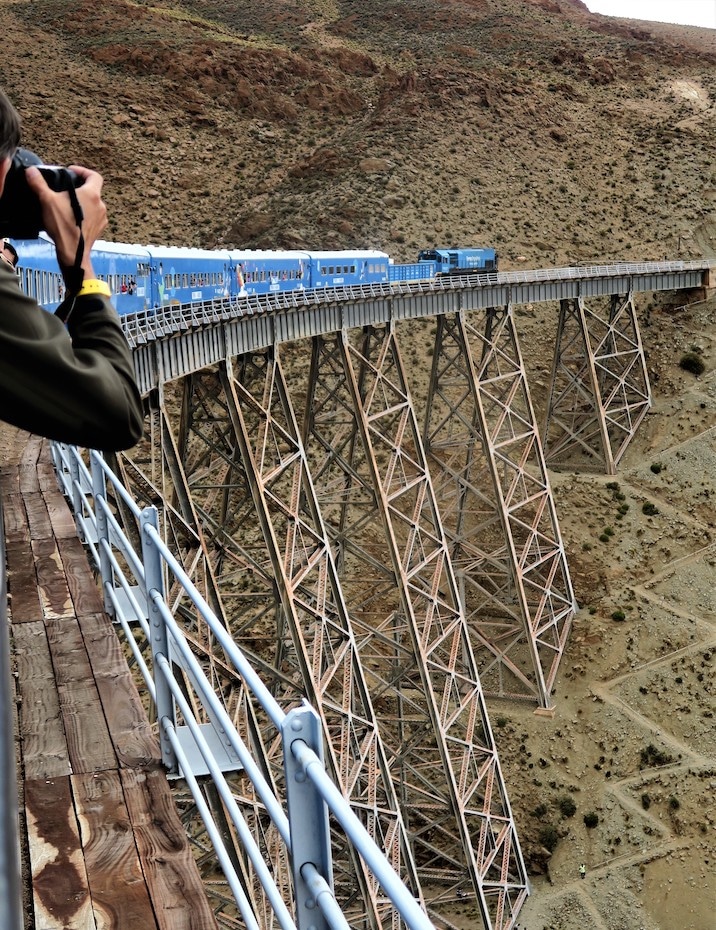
x=142 y=270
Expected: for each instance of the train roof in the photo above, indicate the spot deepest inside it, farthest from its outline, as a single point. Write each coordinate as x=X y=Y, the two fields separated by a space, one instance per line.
x=349 y=253
x=265 y=254
x=119 y=248
x=176 y=251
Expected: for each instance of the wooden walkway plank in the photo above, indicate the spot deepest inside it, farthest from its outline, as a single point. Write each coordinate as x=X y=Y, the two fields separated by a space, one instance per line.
x=119 y=894
x=51 y=581
x=24 y=597
x=133 y=737
x=84 y=591
x=59 y=877
x=44 y=746
x=164 y=853
x=88 y=740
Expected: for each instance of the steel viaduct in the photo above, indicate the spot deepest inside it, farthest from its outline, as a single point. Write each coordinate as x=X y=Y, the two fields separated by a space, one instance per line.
x=393 y=565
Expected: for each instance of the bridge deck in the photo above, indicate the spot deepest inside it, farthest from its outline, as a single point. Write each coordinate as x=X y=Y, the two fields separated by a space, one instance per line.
x=103 y=845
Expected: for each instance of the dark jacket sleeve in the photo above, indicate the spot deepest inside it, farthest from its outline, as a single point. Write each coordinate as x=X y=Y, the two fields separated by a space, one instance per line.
x=74 y=384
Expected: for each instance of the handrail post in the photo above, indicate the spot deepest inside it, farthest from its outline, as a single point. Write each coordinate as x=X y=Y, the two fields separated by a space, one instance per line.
x=307 y=817
x=159 y=639
x=75 y=491
x=10 y=882
x=99 y=492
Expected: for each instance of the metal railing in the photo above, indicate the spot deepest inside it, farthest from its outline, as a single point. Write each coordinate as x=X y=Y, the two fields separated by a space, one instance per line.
x=160 y=322
x=10 y=883
x=194 y=747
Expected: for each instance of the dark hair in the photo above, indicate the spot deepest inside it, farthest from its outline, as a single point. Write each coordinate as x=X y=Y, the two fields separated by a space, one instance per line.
x=9 y=127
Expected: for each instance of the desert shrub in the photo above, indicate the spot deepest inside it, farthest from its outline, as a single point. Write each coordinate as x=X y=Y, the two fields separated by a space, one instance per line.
x=549 y=837
x=656 y=467
x=674 y=803
x=591 y=820
x=649 y=509
x=645 y=801
x=567 y=807
x=653 y=756
x=692 y=363
x=618 y=615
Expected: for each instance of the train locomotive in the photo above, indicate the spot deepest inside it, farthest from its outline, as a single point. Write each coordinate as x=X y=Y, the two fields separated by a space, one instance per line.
x=143 y=278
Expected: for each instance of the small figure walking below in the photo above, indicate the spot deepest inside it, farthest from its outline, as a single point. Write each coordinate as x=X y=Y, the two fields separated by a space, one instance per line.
x=582 y=870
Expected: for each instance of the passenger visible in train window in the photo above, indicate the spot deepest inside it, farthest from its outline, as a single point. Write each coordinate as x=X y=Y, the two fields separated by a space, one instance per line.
x=9 y=254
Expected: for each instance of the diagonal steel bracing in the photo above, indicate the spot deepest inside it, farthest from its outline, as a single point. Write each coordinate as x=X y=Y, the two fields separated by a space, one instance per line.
x=323 y=650
x=369 y=466
x=599 y=391
x=497 y=505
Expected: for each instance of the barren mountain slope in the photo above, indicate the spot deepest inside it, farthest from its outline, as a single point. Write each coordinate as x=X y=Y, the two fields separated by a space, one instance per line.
x=557 y=136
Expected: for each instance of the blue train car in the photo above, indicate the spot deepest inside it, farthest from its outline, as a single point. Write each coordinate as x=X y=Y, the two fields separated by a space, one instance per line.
x=37 y=271
x=346 y=268
x=460 y=261
x=127 y=270
x=186 y=276
x=258 y=271
x=415 y=271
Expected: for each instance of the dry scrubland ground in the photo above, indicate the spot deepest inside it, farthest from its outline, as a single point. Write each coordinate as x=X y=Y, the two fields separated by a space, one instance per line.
x=558 y=137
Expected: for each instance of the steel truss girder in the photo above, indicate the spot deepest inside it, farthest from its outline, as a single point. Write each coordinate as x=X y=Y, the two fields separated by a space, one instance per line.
x=499 y=514
x=599 y=390
x=321 y=660
x=370 y=469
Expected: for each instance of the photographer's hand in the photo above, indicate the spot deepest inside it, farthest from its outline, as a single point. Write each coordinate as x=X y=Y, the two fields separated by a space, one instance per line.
x=59 y=219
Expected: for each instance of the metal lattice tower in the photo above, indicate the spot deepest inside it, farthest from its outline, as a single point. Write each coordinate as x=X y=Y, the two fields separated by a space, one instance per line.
x=599 y=391
x=497 y=505
x=371 y=472
x=246 y=473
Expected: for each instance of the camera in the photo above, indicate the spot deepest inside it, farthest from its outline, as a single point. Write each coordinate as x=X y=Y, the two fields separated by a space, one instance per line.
x=20 y=213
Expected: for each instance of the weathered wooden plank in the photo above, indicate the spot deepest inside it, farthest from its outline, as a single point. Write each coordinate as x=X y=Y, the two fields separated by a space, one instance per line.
x=134 y=740
x=119 y=893
x=59 y=879
x=83 y=588
x=88 y=741
x=51 y=581
x=34 y=448
x=37 y=516
x=17 y=531
x=29 y=482
x=61 y=518
x=172 y=876
x=24 y=598
x=44 y=747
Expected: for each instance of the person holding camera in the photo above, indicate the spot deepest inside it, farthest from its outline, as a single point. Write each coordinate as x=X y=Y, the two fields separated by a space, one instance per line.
x=67 y=376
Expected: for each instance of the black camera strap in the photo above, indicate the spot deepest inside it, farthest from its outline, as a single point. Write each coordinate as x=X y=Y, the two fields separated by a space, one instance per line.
x=73 y=275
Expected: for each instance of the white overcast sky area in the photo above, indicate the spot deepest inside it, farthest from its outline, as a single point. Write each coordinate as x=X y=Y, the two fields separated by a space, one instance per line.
x=684 y=12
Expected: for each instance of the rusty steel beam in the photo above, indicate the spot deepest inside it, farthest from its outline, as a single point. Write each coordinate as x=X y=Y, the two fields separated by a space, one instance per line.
x=498 y=510
x=371 y=474
x=599 y=389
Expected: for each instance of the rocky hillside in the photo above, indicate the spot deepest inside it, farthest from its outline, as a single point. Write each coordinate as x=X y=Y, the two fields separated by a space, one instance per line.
x=533 y=125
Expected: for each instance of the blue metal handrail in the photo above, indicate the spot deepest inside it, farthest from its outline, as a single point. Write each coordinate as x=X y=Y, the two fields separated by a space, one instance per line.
x=134 y=585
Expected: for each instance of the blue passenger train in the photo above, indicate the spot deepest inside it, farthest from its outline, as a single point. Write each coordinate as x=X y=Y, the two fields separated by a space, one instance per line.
x=149 y=277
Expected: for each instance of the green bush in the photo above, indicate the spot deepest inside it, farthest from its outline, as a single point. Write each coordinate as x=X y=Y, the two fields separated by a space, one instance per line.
x=649 y=509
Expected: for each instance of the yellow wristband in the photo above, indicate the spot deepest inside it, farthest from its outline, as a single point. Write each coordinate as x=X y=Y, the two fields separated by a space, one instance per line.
x=94 y=286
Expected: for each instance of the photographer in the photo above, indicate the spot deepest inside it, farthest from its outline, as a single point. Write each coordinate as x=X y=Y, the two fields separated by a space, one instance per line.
x=74 y=382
